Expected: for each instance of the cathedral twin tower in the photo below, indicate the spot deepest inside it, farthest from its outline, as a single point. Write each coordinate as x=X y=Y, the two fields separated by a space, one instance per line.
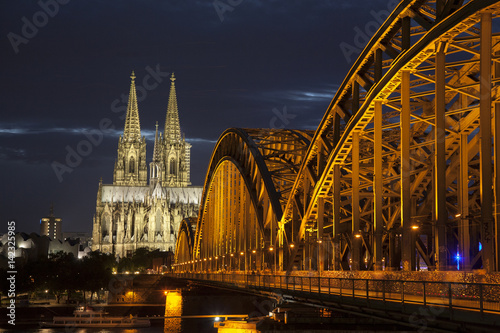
x=171 y=154
x=131 y=213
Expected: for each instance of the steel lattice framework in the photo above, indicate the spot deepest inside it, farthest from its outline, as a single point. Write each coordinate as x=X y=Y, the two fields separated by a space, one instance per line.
x=401 y=172
x=248 y=183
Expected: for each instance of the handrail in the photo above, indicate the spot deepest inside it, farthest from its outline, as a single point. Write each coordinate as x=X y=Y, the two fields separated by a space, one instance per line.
x=472 y=296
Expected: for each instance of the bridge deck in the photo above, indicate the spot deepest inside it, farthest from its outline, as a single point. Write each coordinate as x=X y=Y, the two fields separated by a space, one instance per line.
x=460 y=303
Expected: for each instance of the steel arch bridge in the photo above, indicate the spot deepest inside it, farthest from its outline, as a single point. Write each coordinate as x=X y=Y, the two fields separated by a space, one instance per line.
x=403 y=172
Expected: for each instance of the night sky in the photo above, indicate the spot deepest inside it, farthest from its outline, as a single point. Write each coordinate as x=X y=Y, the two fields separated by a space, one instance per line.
x=238 y=63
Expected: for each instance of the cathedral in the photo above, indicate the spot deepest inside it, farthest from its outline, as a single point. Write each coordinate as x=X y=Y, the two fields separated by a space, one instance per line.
x=135 y=212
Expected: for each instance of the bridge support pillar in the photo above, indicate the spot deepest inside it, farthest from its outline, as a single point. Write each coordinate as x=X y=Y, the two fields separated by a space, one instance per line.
x=280 y=248
x=377 y=187
x=487 y=230
x=356 y=235
x=407 y=246
x=319 y=241
x=497 y=171
x=336 y=217
x=440 y=160
x=464 y=202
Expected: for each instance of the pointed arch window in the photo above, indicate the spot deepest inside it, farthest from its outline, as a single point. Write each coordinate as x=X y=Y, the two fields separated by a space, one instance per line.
x=172 y=166
x=131 y=165
x=158 y=222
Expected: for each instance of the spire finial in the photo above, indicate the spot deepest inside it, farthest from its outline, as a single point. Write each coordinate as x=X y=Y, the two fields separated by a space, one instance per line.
x=132 y=130
x=156 y=148
x=172 y=131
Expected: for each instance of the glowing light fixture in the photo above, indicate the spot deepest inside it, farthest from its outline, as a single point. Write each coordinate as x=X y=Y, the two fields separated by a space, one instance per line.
x=253 y=251
x=415 y=227
x=241 y=253
x=271 y=248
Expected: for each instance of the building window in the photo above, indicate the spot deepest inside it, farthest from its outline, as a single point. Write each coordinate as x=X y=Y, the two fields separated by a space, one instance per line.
x=131 y=165
x=172 y=166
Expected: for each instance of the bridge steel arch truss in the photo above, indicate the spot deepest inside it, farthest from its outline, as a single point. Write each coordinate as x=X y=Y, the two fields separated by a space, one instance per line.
x=185 y=240
x=248 y=182
x=403 y=169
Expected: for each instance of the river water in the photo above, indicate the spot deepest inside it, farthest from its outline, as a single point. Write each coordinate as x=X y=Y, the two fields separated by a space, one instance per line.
x=189 y=300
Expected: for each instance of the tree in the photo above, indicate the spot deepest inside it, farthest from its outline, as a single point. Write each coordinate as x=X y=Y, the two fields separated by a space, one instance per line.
x=96 y=271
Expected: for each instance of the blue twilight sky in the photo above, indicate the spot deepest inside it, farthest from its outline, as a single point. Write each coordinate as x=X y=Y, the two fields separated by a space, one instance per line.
x=239 y=63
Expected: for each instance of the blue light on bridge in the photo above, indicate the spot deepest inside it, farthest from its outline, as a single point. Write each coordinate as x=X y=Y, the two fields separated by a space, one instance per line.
x=480 y=246
x=457 y=258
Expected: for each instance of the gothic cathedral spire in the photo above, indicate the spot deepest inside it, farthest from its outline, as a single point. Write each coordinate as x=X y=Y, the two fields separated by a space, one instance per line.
x=176 y=151
x=132 y=129
x=172 y=131
x=156 y=165
x=130 y=165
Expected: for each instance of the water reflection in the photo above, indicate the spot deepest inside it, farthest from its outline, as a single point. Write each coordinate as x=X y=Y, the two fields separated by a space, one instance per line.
x=173 y=308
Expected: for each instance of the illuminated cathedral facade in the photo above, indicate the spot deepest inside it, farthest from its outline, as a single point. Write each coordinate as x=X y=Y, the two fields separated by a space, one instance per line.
x=135 y=211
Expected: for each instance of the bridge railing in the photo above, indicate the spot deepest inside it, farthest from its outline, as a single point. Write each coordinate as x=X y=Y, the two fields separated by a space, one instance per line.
x=482 y=297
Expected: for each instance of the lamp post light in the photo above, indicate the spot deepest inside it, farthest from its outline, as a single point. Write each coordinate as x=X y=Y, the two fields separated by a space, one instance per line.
x=253 y=260
x=239 y=261
x=273 y=259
